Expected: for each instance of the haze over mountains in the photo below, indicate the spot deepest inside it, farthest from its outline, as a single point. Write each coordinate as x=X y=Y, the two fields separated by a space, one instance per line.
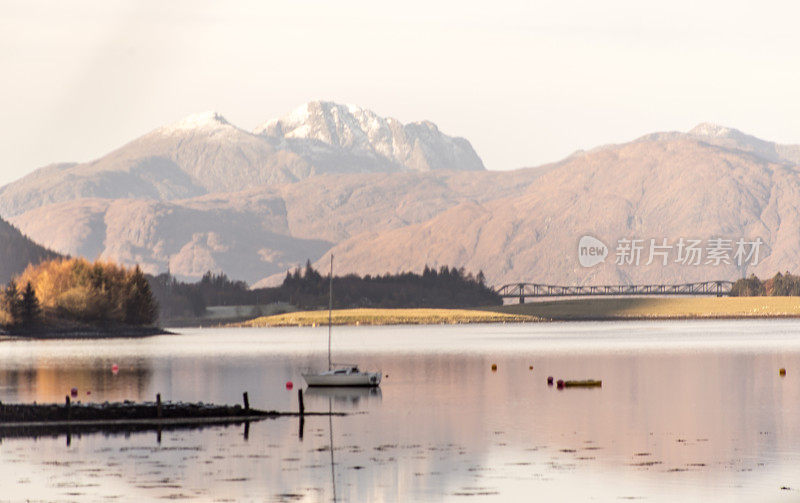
x=202 y=194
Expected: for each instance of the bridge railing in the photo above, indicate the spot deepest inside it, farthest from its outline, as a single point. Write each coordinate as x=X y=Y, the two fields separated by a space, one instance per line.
x=525 y=290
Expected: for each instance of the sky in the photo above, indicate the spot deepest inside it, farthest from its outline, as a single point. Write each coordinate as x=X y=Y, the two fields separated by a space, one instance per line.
x=527 y=82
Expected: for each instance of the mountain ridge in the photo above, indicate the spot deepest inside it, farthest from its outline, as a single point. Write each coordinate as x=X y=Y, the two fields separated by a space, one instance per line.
x=204 y=153
x=379 y=215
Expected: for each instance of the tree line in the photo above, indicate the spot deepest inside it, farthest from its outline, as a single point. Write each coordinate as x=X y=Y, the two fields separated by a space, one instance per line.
x=780 y=285
x=77 y=290
x=307 y=288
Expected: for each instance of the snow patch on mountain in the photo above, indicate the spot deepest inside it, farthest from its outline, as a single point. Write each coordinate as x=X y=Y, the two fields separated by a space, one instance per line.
x=209 y=120
x=417 y=146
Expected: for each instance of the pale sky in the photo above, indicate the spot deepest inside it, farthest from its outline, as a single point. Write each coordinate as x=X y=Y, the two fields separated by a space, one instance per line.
x=526 y=82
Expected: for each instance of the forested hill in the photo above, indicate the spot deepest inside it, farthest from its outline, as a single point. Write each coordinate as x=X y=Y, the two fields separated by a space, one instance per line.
x=17 y=251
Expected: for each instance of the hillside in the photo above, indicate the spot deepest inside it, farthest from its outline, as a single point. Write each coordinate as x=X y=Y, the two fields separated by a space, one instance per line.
x=258 y=232
x=678 y=187
x=17 y=251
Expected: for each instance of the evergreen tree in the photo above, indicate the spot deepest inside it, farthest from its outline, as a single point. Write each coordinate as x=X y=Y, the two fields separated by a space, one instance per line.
x=140 y=308
x=12 y=302
x=29 y=307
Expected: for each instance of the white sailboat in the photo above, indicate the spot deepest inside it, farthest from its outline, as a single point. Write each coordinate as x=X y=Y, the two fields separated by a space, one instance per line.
x=340 y=374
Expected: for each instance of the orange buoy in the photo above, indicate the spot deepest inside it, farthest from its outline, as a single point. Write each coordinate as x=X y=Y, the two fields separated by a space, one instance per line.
x=782 y=371
x=494 y=367
x=530 y=367
x=289 y=385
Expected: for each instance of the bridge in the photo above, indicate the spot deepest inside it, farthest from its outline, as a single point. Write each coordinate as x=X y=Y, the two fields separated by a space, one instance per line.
x=525 y=290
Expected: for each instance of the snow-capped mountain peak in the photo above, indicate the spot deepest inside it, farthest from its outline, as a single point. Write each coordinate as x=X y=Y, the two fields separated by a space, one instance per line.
x=209 y=120
x=418 y=146
x=712 y=130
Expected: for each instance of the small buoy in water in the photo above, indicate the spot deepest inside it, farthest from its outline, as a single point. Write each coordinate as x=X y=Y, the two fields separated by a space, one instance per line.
x=115 y=369
x=386 y=376
x=560 y=384
x=88 y=392
x=73 y=392
x=530 y=367
x=782 y=371
x=494 y=367
x=289 y=385
x=550 y=380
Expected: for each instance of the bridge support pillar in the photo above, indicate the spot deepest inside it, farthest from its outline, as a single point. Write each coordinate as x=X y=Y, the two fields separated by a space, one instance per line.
x=521 y=299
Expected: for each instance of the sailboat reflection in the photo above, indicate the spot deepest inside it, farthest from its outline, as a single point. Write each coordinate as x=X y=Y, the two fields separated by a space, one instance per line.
x=330 y=429
x=345 y=396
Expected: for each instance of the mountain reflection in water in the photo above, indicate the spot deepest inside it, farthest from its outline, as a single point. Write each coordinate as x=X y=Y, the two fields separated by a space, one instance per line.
x=687 y=411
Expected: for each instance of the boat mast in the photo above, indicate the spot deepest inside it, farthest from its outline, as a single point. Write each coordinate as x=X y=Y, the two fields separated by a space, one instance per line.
x=330 y=314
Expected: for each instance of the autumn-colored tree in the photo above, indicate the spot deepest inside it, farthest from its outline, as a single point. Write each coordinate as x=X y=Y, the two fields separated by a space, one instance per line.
x=91 y=291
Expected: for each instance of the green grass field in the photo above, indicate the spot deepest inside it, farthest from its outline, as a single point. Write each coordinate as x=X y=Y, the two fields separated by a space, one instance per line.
x=387 y=317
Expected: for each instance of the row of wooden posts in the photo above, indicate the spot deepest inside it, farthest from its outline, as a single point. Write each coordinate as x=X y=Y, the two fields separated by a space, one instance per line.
x=245 y=399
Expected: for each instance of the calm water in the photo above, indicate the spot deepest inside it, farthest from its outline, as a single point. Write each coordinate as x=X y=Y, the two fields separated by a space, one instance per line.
x=688 y=411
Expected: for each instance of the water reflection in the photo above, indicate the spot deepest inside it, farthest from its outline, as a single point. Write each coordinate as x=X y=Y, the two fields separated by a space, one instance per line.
x=350 y=398
x=687 y=411
x=92 y=378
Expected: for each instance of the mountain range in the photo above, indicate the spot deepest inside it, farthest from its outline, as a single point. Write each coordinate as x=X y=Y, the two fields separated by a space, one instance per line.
x=202 y=194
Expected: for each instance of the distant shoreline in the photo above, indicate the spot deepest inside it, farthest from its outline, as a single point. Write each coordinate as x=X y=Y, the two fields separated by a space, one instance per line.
x=400 y=316
x=659 y=308
x=586 y=309
x=86 y=333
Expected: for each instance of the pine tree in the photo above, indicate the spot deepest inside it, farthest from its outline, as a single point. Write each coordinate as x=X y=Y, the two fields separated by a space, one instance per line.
x=29 y=307
x=12 y=302
x=140 y=307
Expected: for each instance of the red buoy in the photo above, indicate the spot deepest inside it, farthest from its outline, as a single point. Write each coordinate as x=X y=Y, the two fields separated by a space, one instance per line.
x=115 y=369
x=289 y=385
x=550 y=380
x=560 y=384
x=73 y=392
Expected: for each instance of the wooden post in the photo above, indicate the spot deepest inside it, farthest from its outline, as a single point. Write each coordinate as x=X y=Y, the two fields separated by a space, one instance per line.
x=246 y=430
x=300 y=402
x=158 y=405
x=246 y=401
x=69 y=410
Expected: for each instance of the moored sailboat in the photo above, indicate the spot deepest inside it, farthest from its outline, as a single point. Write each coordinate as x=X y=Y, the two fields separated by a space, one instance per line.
x=339 y=374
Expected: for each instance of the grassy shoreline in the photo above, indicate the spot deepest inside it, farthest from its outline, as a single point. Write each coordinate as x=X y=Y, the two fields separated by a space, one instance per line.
x=659 y=308
x=584 y=309
x=419 y=316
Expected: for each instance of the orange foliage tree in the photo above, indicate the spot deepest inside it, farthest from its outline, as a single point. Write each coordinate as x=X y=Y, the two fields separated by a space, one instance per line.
x=77 y=289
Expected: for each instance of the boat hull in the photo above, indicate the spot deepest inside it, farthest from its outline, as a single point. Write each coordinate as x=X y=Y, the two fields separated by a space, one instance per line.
x=368 y=379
